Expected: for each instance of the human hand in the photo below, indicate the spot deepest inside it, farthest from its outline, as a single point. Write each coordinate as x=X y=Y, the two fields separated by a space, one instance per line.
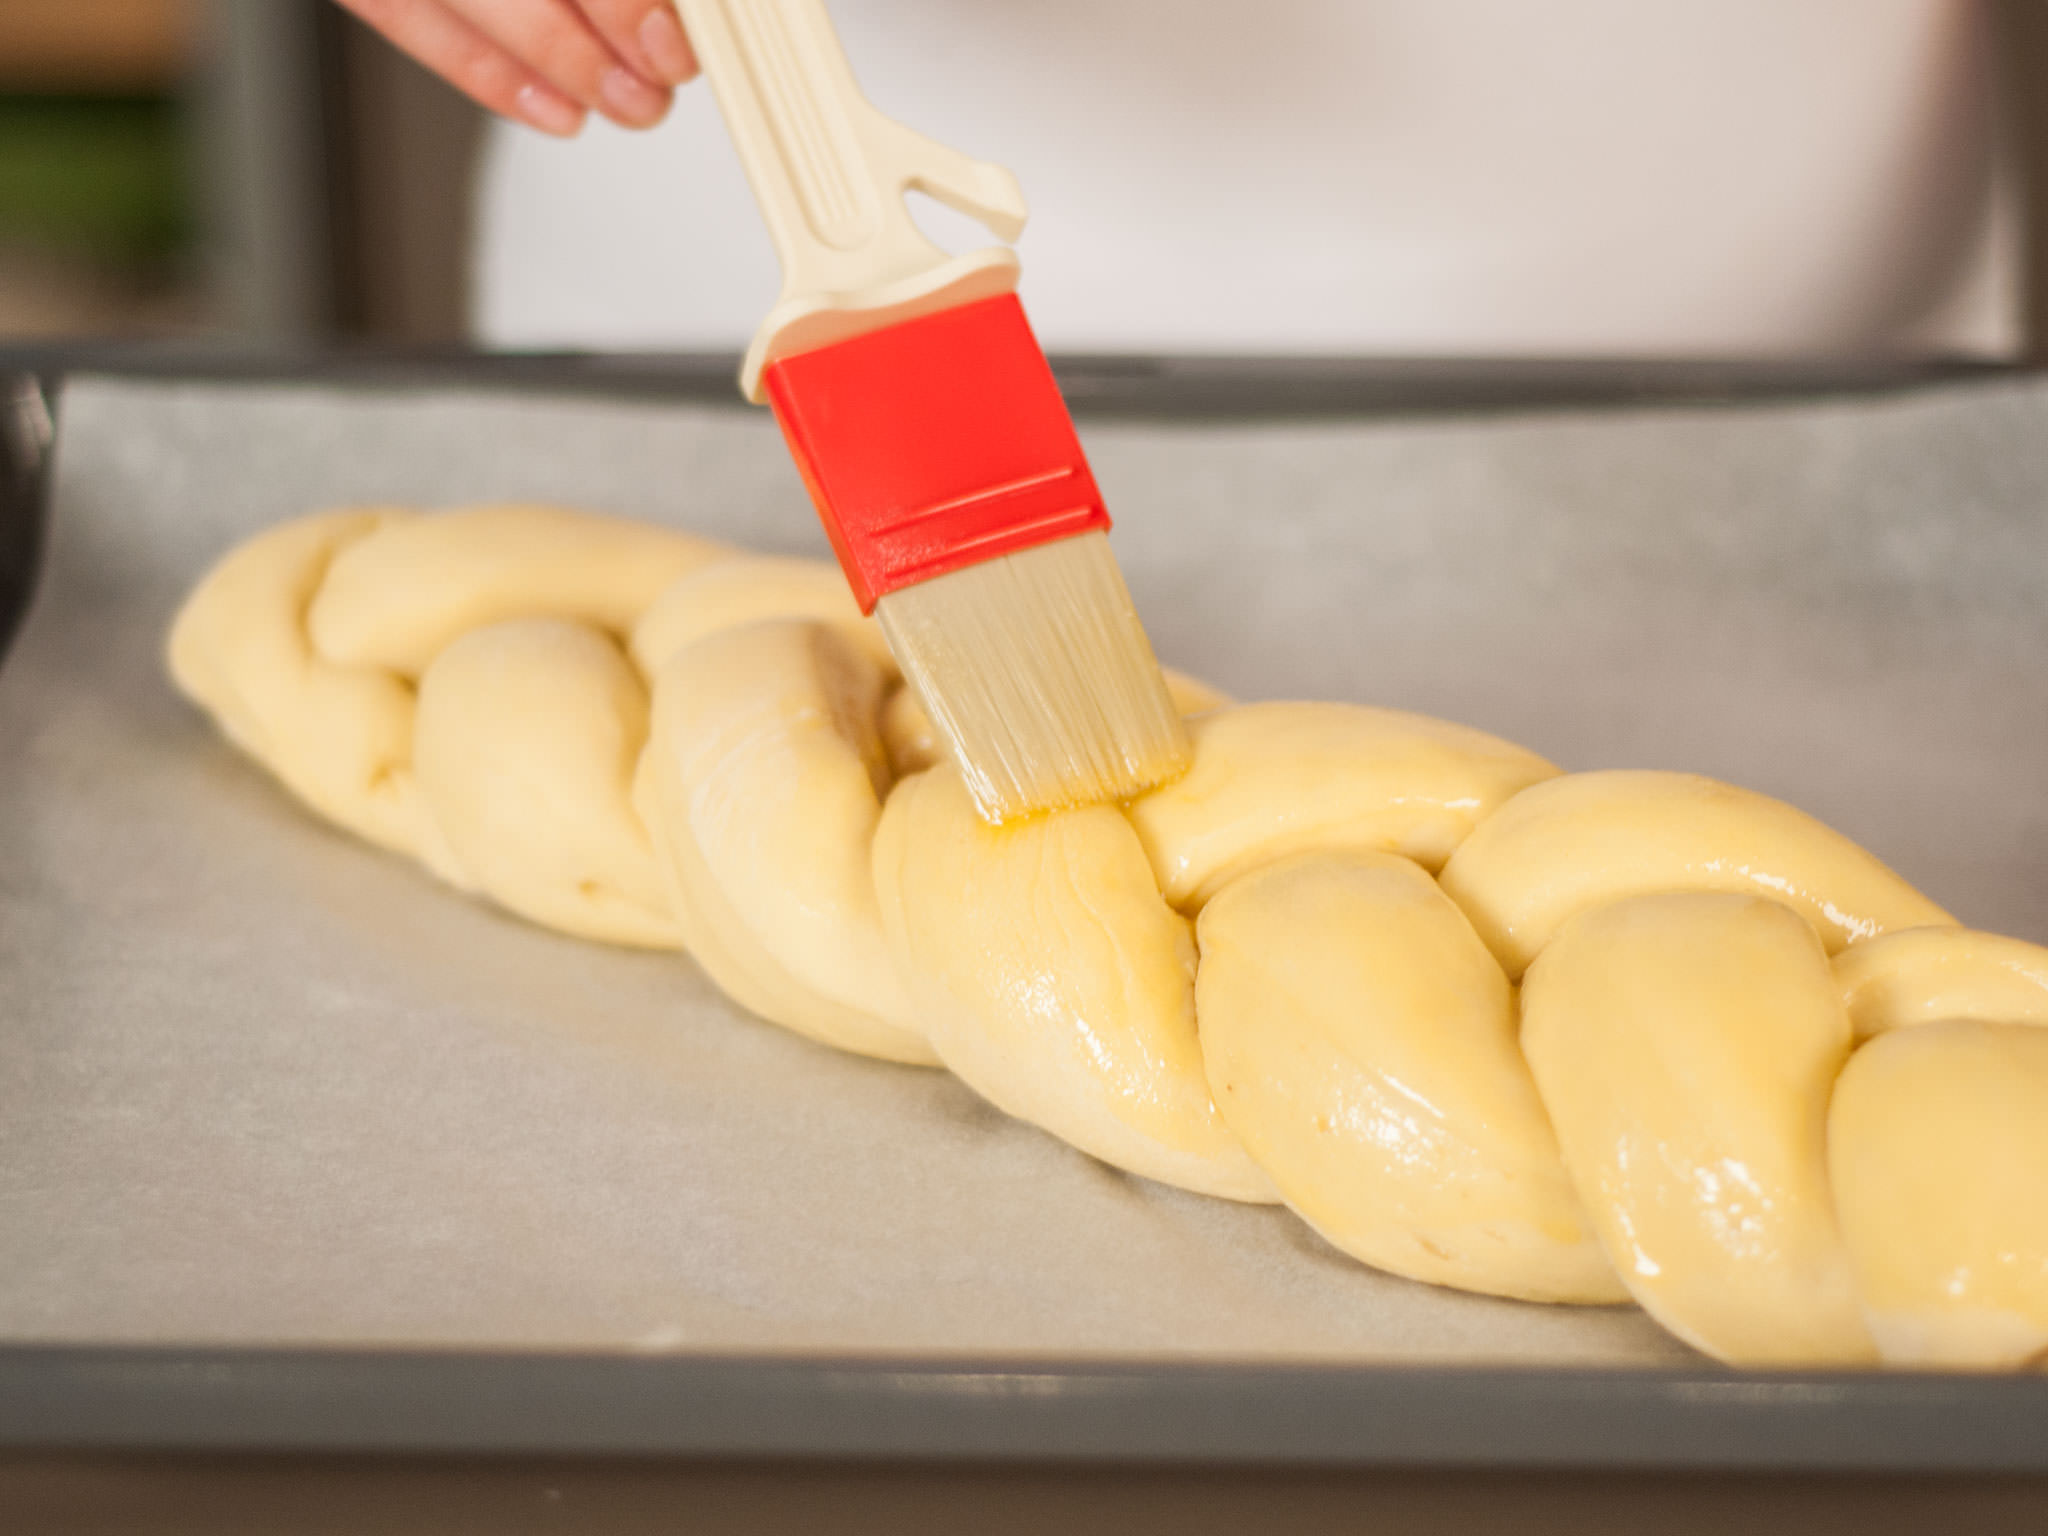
x=546 y=63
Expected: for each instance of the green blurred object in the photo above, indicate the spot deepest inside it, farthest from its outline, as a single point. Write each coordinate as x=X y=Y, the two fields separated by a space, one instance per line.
x=102 y=177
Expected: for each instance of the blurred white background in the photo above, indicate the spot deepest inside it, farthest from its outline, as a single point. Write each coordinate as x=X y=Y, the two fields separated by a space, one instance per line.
x=1696 y=177
x=1448 y=177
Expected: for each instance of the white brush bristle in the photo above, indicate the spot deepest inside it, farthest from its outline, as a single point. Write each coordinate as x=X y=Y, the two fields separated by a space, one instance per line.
x=1036 y=672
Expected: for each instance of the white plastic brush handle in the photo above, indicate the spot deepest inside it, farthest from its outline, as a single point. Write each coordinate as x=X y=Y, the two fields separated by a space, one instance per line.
x=830 y=173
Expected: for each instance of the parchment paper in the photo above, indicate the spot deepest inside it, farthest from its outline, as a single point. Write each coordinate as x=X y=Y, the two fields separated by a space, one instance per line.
x=261 y=1084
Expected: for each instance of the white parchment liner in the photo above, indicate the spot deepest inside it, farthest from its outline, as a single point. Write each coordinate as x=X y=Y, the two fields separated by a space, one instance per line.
x=259 y=1084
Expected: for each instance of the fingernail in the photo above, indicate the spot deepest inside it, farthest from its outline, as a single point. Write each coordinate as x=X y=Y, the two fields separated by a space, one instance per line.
x=548 y=110
x=667 y=49
x=629 y=98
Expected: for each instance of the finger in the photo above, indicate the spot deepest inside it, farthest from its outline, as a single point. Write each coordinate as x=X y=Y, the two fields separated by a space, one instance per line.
x=647 y=34
x=471 y=62
x=552 y=37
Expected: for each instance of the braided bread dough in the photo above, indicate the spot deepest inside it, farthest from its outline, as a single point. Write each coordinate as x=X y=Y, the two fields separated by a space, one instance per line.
x=1566 y=1037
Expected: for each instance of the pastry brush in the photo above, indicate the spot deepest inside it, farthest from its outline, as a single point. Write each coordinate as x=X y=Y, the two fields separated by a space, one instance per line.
x=929 y=429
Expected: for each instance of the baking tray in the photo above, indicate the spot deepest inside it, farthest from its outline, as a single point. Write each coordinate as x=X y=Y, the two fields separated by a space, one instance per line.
x=1964 y=431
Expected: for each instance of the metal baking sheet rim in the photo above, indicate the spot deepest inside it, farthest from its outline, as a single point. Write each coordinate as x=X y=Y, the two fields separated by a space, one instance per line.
x=859 y=1409
x=88 y=1397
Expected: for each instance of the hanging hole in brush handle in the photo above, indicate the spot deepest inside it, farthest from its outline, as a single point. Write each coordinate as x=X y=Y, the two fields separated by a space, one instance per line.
x=830 y=173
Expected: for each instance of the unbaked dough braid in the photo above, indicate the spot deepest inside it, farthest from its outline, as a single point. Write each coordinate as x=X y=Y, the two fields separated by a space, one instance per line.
x=1567 y=1037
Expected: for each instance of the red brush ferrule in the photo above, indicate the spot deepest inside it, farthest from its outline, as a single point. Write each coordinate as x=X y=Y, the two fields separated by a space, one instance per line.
x=934 y=444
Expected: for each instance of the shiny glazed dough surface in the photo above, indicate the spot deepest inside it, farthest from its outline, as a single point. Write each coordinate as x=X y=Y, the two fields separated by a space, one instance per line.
x=1564 y=1037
